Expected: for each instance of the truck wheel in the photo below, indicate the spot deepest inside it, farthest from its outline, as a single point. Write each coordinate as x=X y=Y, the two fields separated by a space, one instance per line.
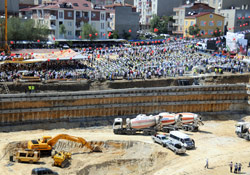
x=145 y=133
x=30 y=161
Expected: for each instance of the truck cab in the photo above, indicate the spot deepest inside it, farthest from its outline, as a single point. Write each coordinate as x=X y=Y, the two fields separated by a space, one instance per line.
x=242 y=129
x=117 y=125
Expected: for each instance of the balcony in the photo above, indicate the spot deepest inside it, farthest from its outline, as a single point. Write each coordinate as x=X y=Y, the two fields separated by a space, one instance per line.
x=52 y=17
x=175 y=17
x=109 y=29
x=109 y=19
x=175 y=24
x=52 y=27
x=149 y=13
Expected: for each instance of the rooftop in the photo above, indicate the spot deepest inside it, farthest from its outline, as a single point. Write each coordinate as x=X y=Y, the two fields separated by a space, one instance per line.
x=202 y=14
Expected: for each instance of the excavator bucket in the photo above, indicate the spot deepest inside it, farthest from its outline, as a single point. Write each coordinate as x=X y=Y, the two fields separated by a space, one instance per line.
x=97 y=149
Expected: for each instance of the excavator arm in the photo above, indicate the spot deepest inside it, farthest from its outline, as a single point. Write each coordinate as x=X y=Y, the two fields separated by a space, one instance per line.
x=81 y=140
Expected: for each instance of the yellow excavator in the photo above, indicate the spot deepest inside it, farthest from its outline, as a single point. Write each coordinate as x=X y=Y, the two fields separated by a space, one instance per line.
x=47 y=143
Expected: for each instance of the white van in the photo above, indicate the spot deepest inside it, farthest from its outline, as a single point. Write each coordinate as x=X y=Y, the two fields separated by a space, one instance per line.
x=201 y=46
x=184 y=138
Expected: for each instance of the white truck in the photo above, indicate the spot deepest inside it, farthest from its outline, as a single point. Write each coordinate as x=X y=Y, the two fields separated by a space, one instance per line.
x=176 y=146
x=242 y=129
x=148 y=125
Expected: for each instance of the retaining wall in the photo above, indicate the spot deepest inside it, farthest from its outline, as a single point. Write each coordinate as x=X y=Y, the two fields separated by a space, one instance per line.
x=91 y=106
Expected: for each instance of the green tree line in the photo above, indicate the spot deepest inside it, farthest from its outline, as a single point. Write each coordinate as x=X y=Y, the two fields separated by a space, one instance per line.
x=20 y=30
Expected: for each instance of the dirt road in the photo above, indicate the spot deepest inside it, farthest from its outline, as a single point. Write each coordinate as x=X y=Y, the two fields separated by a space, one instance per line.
x=216 y=142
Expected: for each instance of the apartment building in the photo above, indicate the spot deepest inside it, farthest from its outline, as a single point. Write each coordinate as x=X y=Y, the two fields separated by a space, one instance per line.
x=236 y=20
x=226 y=4
x=124 y=18
x=148 y=8
x=207 y=22
x=72 y=14
x=186 y=10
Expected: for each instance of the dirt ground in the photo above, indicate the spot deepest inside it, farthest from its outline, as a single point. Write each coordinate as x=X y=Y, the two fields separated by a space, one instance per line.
x=131 y=155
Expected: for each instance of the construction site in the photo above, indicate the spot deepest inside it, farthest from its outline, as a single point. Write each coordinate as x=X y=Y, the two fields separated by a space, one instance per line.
x=77 y=127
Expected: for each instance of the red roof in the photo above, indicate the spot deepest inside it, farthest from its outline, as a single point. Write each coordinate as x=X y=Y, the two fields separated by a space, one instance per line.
x=202 y=6
x=202 y=14
x=119 y=5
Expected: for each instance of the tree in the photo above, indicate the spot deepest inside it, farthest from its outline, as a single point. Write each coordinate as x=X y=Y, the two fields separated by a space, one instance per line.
x=193 y=30
x=19 y=30
x=217 y=32
x=160 y=23
x=126 y=35
x=62 y=30
x=87 y=29
x=114 y=35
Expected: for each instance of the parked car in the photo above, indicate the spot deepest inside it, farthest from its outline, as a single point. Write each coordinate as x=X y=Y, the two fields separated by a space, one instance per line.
x=183 y=138
x=43 y=171
x=176 y=146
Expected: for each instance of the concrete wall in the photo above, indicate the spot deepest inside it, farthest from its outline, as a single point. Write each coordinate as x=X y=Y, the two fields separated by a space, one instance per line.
x=125 y=19
x=92 y=106
x=13 y=6
x=165 y=7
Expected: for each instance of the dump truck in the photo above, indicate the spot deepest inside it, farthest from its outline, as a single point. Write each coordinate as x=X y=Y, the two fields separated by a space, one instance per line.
x=242 y=129
x=148 y=125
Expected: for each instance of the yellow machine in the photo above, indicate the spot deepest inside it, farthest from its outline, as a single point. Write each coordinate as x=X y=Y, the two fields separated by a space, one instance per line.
x=30 y=156
x=61 y=159
x=47 y=142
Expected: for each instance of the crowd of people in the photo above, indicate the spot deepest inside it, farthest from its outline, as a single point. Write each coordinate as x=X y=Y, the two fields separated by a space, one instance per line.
x=170 y=59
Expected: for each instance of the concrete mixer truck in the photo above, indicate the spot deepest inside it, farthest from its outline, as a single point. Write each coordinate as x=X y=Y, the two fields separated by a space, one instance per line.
x=185 y=121
x=190 y=121
x=148 y=125
x=242 y=129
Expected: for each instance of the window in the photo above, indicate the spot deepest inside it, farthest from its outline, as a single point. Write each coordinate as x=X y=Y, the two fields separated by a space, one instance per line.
x=202 y=32
x=203 y=23
x=219 y=23
x=69 y=23
x=102 y=25
x=93 y=15
x=214 y=2
x=69 y=14
x=210 y=32
x=75 y=4
x=102 y=16
x=181 y=21
x=69 y=33
x=211 y=16
x=192 y=23
x=186 y=23
x=85 y=5
x=60 y=14
x=211 y=23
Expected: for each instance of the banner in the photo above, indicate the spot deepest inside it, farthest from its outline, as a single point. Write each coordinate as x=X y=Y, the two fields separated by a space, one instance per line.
x=242 y=46
x=232 y=41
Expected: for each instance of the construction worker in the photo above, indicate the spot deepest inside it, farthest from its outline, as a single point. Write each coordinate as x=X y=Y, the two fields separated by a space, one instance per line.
x=239 y=168
x=231 y=167
x=32 y=89
x=29 y=87
x=206 y=166
x=235 y=168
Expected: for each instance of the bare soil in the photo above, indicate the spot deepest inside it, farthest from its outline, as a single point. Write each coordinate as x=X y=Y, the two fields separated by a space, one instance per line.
x=138 y=154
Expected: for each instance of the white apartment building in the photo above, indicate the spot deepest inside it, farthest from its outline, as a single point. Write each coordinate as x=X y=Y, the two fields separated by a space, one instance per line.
x=72 y=15
x=148 y=8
